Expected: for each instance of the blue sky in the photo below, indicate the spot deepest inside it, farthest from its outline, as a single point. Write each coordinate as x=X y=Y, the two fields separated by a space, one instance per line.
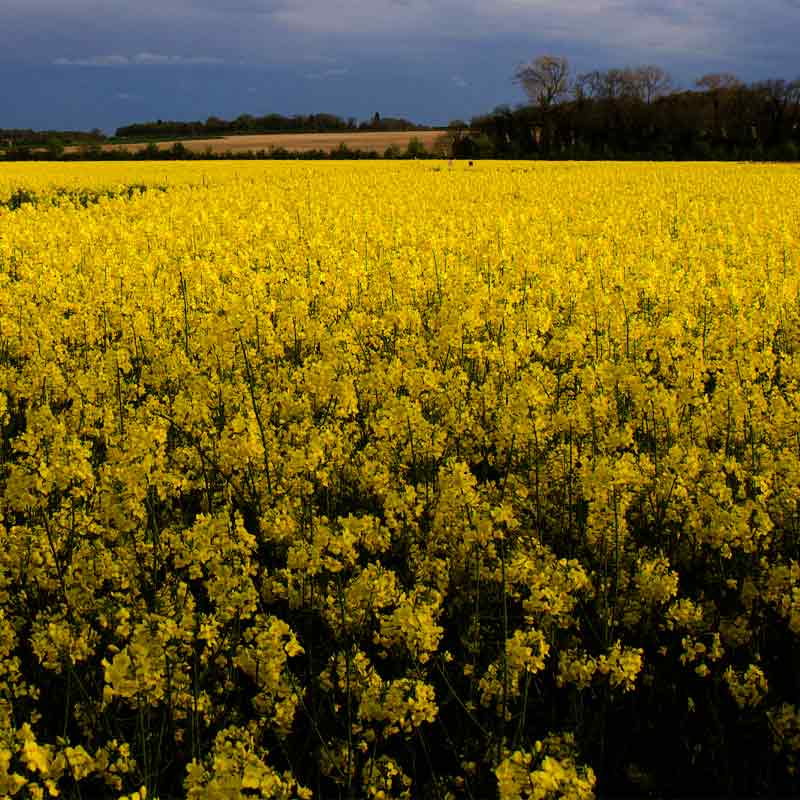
x=103 y=63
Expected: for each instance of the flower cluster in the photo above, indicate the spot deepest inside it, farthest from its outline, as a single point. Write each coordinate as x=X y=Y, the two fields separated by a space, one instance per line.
x=360 y=479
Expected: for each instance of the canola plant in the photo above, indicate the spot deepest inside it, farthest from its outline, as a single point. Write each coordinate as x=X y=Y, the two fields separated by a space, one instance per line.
x=399 y=480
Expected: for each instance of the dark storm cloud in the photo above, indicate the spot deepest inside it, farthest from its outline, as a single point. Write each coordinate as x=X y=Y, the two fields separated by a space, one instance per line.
x=269 y=30
x=354 y=55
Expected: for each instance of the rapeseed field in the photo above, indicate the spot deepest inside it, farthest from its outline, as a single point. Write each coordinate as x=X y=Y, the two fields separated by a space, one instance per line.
x=399 y=480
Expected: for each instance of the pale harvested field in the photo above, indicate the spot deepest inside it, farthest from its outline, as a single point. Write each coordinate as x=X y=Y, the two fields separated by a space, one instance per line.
x=368 y=140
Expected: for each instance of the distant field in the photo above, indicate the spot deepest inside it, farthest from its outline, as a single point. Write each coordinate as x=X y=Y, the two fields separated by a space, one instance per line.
x=368 y=140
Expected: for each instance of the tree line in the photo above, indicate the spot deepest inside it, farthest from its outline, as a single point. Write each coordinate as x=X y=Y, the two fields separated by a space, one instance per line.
x=636 y=112
x=269 y=123
x=415 y=149
x=13 y=140
x=27 y=144
x=619 y=113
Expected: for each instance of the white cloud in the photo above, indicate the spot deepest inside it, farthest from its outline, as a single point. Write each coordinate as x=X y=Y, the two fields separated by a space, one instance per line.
x=138 y=59
x=159 y=58
x=93 y=61
x=636 y=29
x=328 y=74
x=722 y=33
x=355 y=16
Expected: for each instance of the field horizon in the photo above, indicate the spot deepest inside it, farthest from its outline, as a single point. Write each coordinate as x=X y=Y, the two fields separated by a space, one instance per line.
x=295 y=142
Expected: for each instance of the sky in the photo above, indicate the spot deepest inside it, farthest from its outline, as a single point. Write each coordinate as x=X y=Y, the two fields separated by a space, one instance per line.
x=83 y=64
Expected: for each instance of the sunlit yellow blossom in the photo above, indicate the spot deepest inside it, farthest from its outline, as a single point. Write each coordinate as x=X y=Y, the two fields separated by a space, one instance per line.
x=347 y=474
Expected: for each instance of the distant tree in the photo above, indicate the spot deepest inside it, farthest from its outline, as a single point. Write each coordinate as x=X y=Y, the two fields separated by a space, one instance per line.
x=244 y=122
x=55 y=148
x=456 y=130
x=651 y=82
x=647 y=83
x=586 y=85
x=216 y=125
x=720 y=86
x=343 y=151
x=718 y=81
x=19 y=152
x=90 y=151
x=616 y=83
x=415 y=148
x=179 y=150
x=782 y=101
x=545 y=80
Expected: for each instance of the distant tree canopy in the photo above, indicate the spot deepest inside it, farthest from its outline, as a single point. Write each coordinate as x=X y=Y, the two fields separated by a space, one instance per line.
x=634 y=112
x=545 y=79
x=25 y=144
x=25 y=137
x=269 y=123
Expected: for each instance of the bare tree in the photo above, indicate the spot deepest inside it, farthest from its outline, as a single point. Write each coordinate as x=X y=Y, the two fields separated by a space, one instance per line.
x=780 y=92
x=545 y=79
x=651 y=82
x=618 y=83
x=783 y=101
x=646 y=83
x=718 y=81
x=721 y=86
x=587 y=85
